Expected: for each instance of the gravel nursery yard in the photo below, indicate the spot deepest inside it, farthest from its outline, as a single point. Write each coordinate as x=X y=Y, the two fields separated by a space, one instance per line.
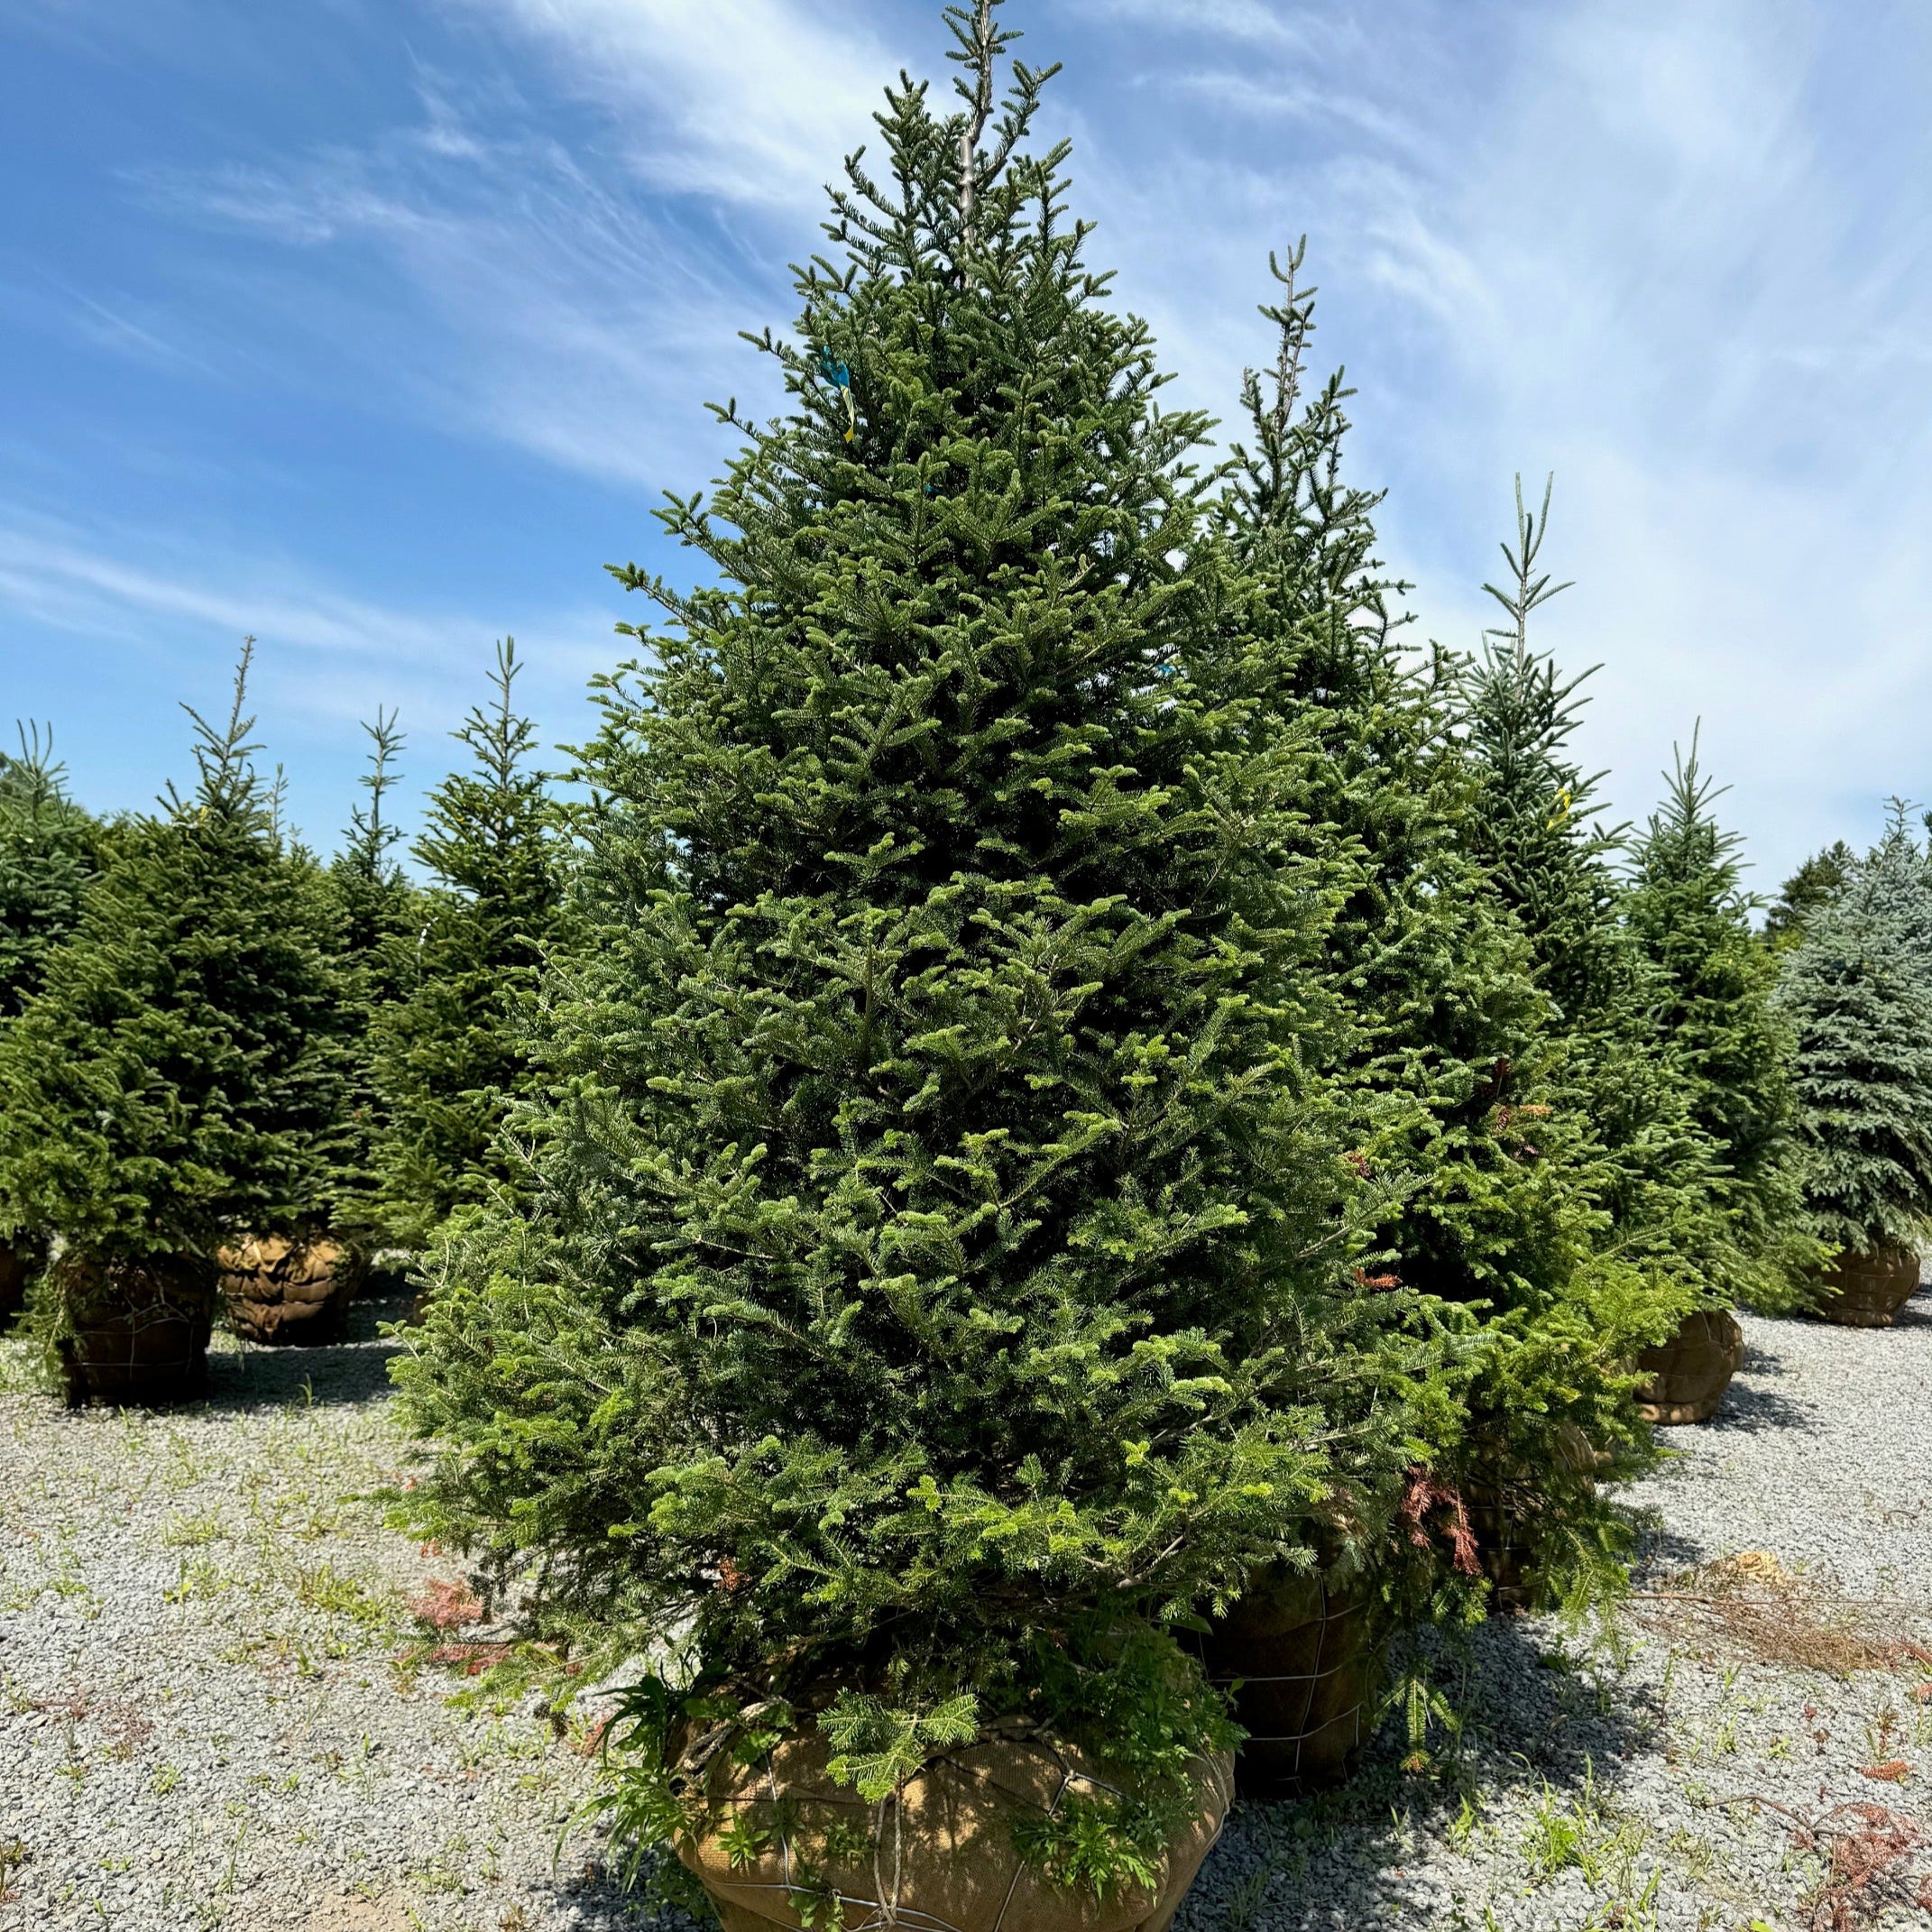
x=1642 y=1790
x=203 y=1723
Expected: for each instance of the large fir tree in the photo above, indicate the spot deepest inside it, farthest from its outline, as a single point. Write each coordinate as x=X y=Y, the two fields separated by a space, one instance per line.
x=1445 y=1066
x=447 y=1051
x=1713 y=1014
x=939 y=1236
x=175 y=1080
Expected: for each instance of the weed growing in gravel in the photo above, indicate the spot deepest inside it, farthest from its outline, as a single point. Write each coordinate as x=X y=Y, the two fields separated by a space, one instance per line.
x=192 y=1533
x=1585 y=1834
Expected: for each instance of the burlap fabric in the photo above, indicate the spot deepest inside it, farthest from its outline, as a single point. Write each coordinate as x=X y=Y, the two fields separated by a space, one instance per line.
x=942 y=1855
x=282 y=1292
x=1690 y=1372
x=1297 y=1654
x=140 y=1329
x=1871 y=1288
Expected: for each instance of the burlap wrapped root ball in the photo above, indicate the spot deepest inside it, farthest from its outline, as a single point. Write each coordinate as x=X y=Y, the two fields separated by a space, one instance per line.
x=1690 y=1372
x=780 y=1839
x=279 y=1290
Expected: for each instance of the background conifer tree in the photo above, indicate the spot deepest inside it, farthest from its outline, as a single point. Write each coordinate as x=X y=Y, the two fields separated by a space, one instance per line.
x=175 y=1080
x=1714 y=1016
x=1817 y=881
x=446 y=1049
x=1657 y=1172
x=939 y=1234
x=378 y=917
x=49 y=850
x=1444 y=1070
x=1857 y=989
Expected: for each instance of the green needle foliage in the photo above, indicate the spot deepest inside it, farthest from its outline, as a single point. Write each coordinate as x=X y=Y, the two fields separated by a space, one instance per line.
x=1444 y=1071
x=1655 y=1171
x=1858 y=990
x=50 y=850
x=379 y=914
x=939 y=1263
x=1714 y=1016
x=1814 y=884
x=447 y=1046
x=176 y=1079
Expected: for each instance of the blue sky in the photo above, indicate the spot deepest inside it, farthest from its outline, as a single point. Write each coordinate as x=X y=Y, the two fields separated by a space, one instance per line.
x=376 y=327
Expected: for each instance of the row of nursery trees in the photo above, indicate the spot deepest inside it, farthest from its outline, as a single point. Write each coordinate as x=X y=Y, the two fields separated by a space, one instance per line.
x=1056 y=1073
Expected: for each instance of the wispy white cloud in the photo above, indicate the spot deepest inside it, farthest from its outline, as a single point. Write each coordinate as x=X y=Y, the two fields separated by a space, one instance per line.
x=494 y=282
x=754 y=101
x=328 y=653
x=1645 y=244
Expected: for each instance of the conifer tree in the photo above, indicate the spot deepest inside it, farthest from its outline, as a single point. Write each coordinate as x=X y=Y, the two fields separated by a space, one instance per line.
x=1657 y=1172
x=377 y=914
x=1814 y=884
x=174 y=1081
x=936 y=1232
x=49 y=850
x=1445 y=1068
x=448 y=1054
x=1714 y=1015
x=1857 y=989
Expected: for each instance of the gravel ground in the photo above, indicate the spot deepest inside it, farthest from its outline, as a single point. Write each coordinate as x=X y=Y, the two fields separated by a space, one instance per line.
x=1641 y=1789
x=203 y=1723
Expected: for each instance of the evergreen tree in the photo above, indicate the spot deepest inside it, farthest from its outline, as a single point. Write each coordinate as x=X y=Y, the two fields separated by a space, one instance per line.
x=1656 y=1171
x=1857 y=991
x=1715 y=1016
x=49 y=850
x=937 y=1234
x=377 y=914
x=1446 y=1067
x=174 y=1081
x=1814 y=884
x=447 y=1053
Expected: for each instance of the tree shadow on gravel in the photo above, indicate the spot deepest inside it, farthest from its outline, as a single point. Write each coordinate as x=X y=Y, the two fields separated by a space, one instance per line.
x=1751 y=1409
x=1344 y=1858
x=352 y=1372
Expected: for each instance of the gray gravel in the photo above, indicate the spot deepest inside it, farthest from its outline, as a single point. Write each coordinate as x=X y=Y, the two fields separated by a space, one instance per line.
x=1637 y=1788
x=202 y=1724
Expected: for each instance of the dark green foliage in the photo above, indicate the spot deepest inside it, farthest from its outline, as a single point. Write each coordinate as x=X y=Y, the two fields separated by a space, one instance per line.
x=1857 y=989
x=378 y=916
x=1713 y=1015
x=49 y=849
x=1814 y=884
x=176 y=1079
x=938 y=1245
x=447 y=1039
x=1444 y=1070
x=1651 y=1166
